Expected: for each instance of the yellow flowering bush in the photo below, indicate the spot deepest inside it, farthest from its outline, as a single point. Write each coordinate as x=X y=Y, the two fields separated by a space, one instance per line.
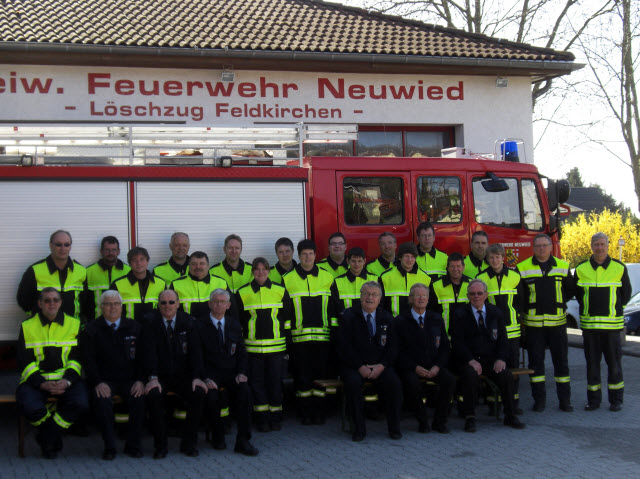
x=576 y=237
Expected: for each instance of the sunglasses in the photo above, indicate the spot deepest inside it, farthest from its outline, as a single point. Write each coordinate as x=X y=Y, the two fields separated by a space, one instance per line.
x=164 y=303
x=60 y=245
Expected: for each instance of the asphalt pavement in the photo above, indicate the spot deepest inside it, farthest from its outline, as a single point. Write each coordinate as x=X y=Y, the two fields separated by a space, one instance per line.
x=554 y=444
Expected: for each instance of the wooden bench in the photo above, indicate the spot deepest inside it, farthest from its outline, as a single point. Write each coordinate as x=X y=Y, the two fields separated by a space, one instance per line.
x=515 y=372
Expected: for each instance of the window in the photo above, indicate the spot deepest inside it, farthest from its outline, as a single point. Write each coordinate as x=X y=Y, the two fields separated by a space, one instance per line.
x=497 y=209
x=425 y=143
x=439 y=199
x=379 y=143
x=373 y=201
x=533 y=219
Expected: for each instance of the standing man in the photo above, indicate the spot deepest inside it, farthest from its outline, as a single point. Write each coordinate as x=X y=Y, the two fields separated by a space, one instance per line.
x=173 y=363
x=101 y=274
x=226 y=366
x=475 y=263
x=310 y=288
x=139 y=288
x=367 y=348
x=602 y=290
x=388 y=244
x=335 y=263
x=284 y=251
x=430 y=259
x=479 y=342
x=545 y=288
x=502 y=286
x=397 y=281
x=178 y=264
x=196 y=287
x=450 y=292
x=113 y=361
x=423 y=355
x=57 y=271
x=48 y=358
x=345 y=290
x=233 y=269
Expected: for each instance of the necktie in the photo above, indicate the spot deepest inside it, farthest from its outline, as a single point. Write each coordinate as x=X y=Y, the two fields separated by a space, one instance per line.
x=113 y=331
x=220 y=335
x=170 y=329
x=481 y=320
x=370 y=325
x=421 y=320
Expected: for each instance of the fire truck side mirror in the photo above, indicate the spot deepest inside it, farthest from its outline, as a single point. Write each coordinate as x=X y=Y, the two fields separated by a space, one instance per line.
x=494 y=184
x=557 y=193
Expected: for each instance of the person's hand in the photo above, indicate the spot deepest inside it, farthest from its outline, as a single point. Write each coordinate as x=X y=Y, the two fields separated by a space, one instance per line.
x=103 y=390
x=376 y=370
x=476 y=365
x=365 y=371
x=241 y=378
x=422 y=372
x=137 y=389
x=154 y=383
x=47 y=386
x=499 y=366
x=198 y=383
x=59 y=387
x=433 y=372
x=211 y=384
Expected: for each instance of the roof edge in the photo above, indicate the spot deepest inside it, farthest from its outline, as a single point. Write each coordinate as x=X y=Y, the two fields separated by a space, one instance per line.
x=554 y=67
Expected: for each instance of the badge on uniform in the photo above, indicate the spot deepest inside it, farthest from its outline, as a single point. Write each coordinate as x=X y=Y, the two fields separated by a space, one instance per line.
x=437 y=342
x=130 y=341
x=494 y=334
x=183 y=341
x=233 y=349
x=383 y=336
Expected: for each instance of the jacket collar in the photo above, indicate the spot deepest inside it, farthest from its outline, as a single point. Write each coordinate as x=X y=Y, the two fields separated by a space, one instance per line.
x=446 y=280
x=335 y=265
x=383 y=262
x=119 y=265
x=551 y=261
x=475 y=261
x=605 y=264
x=256 y=287
x=431 y=253
x=206 y=279
x=352 y=277
x=404 y=272
x=303 y=274
x=58 y=319
x=53 y=268
x=133 y=280
x=227 y=267
x=179 y=268
x=281 y=270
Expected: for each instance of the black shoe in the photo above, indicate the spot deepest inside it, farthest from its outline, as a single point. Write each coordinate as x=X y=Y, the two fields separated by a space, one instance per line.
x=357 y=437
x=243 y=446
x=440 y=427
x=514 y=422
x=538 y=406
x=615 y=407
x=276 y=426
x=306 y=421
x=263 y=427
x=566 y=407
x=109 y=454
x=470 y=424
x=518 y=411
x=318 y=420
x=591 y=407
x=189 y=451
x=423 y=427
x=395 y=435
x=160 y=453
x=133 y=452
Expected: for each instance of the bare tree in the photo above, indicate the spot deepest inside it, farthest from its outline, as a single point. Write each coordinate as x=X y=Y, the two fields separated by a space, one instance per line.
x=553 y=24
x=612 y=55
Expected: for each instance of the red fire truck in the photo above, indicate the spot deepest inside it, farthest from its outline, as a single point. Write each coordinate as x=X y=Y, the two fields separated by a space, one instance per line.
x=142 y=184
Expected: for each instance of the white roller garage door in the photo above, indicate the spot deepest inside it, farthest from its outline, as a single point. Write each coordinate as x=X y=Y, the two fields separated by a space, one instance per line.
x=32 y=210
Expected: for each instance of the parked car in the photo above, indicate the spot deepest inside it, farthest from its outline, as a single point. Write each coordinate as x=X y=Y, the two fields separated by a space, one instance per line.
x=632 y=315
x=573 y=309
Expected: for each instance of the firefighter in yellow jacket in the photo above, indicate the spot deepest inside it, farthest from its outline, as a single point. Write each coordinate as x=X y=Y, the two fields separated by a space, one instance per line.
x=48 y=358
x=602 y=290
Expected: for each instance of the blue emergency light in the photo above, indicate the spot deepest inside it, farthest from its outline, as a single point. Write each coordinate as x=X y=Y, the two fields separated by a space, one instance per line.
x=509 y=151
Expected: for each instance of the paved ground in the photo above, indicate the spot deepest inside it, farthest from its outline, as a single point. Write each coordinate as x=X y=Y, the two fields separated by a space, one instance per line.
x=555 y=444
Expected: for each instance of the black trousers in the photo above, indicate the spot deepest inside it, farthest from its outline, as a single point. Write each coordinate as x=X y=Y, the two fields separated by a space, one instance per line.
x=513 y=361
x=240 y=401
x=596 y=343
x=470 y=387
x=413 y=392
x=555 y=338
x=310 y=359
x=194 y=401
x=32 y=404
x=265 y=379
x=103 y=409
x=388 y=384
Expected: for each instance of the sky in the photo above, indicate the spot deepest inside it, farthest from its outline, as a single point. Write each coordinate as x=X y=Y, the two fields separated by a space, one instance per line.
x=560 y=146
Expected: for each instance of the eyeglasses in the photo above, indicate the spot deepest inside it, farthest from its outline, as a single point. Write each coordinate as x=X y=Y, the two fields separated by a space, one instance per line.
x=475 y=293
x=60 y=245
x=337 y=244
x=51 y=300
x=171 y=301
x=220 y=301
